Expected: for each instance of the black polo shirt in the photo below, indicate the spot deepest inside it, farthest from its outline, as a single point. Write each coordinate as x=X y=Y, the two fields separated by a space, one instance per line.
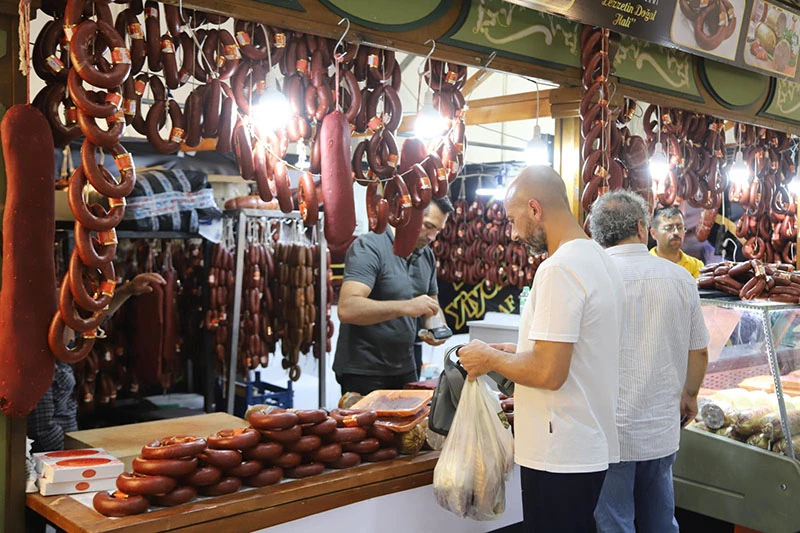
x=386 y=348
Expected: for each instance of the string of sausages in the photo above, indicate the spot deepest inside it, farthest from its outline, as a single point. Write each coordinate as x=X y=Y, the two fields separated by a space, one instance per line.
x=769 y=225
x=753 y=279
x=475 y=247
x=278 y=444
x=601 y=171
x=88 y=286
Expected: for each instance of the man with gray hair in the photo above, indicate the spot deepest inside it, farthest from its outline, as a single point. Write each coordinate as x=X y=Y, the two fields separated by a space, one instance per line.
x=662 y=363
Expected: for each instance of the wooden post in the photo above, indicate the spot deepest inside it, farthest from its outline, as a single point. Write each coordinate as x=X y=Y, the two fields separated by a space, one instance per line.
x=567 y=160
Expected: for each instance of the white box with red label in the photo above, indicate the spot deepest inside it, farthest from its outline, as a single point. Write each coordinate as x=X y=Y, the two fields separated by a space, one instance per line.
x=77 y=465
x=47 y=488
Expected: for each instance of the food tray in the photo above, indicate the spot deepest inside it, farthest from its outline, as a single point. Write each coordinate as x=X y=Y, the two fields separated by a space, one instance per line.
x=405 y=423
x=395 y=403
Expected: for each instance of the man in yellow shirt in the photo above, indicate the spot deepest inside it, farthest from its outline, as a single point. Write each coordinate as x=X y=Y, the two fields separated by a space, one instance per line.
x=668 y=229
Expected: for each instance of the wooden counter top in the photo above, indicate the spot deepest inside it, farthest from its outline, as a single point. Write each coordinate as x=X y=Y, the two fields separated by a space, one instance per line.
x=248 y=509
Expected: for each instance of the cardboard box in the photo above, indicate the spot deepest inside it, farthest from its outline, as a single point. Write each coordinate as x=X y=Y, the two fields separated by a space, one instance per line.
x=77 y=465
x=48 y=488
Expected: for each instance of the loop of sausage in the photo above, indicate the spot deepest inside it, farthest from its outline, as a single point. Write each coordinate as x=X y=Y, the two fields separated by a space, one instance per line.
x=307 y=470
x=104 y=221
x=321 y=428
x=83 y=60
x=283 y=436
x=227 y=485
x=119 y=504
x=243 y=150
x=288 y=460
x=224 y=134
x=128 y=25
x=175 y=468
x=48 y=60
x=377 y=208
x=354 y=92
x=211 y=105
x=305 y=444
x=101 y=179
x=223 y=459
x=177 y=133
x=245 y=469
x=384 y=454
x=396 y=194
x=177 y=496
x=282 y=187
x=204 y=475
x=234 y=439
x=55 y=339
x=419 y=186
x=347 y=460
x=97 y=105
x=264 y=451
x=144 y=485
x=65 y=129
x=276 y=419
x=307 y=199
x=100 y=137
x=342 y=435
x=105 y=286
x=382 y=141
x=354 y=417
x=267 y=476
x=436 y=174
x=87 y=246
x=176 y=447
x=152 y=28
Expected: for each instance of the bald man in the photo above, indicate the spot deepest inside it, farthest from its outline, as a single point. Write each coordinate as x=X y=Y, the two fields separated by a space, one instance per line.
x=565 y=362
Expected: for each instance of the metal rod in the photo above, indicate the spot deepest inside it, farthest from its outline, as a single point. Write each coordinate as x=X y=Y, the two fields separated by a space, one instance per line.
x=237 y=310
x=322 y=371
x=772 y=355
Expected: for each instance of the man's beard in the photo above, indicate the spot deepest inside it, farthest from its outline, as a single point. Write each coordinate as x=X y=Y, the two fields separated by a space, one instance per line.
x=536 y=242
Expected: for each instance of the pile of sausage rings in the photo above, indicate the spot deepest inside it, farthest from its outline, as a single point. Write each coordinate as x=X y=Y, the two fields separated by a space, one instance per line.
x=278 y=444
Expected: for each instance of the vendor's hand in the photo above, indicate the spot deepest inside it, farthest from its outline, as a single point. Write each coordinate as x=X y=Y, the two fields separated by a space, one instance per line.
x=423 y=306
x=688 y=408
x=475 y=357
x=143 y=283
x=427 y=337
x=508 y=347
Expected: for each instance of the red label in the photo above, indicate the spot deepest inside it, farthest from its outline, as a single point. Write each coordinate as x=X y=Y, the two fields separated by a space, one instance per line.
x=107 y=287
x=425 y=183
x=405 y=200
x=120 y=55
x=451 y=78
x=84 y=462
x=301 y=65
x=90 y=472
x=118 y=116
x=107 y=238
x=89 y=335
x=114 y=99
x=71 y=453
x=350 y=421
x=243 y=38
x=220 y=61
x=54 y=64
x=124 y=161
x=392 y=160
x=68 y=31
x=183 y=76
x=82 y=485
x=116 y=202
x=176 y=135
x=129 y=107
x=167 y=47
x=375 y=123
x=139 y=86
x=280 y=40
x=72 y=115
x=151 y=12
x=441 y=174
x=372 y=60
x=135 y=31
x=232 y=52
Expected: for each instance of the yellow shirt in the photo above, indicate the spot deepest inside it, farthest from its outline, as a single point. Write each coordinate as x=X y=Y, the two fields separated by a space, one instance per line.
x=692 y=264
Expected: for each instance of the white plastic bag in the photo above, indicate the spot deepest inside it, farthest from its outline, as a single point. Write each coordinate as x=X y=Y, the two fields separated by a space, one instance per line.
x=478 y=454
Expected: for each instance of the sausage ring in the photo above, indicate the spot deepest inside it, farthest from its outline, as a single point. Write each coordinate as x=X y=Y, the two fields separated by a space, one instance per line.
x=305 y=444
x=69 y=313
x=307 y=470
x=311 y=416
x=342 y=435
x=368 y=445
x=55 y=339
x=277 y=419
x=288 y=460
x=174 y=448
x=384 y=454
x=307 y=199
x=119 y=504
x=283 y=436
x=220 y=458
x=321 y=428
x=227 y=485
x=204 y=475
x=354 y=417
x=101 y=179
x=83 y=60
x=80 y=294
x=245 y=469
x=88 y=246
x=144 y=485
x=165 y=467
x=234 y=439
x=267 y=476
x=177 y=496
x=347 y=460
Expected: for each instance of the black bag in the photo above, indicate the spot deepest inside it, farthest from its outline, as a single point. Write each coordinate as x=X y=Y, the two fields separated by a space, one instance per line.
x=448 y=392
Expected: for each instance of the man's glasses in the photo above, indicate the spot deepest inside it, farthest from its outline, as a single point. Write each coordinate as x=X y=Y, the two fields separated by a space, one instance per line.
x=680 y=228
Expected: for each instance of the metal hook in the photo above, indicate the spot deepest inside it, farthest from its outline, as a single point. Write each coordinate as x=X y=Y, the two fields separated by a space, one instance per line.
x=735 y=244
x=421 y=68
x=341 y=39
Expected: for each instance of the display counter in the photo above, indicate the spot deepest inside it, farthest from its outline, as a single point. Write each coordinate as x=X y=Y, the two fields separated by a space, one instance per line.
x=495 y=327
x=256 y=508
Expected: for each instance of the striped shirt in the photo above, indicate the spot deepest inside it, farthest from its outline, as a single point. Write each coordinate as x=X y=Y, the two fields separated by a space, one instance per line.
x=663 y=322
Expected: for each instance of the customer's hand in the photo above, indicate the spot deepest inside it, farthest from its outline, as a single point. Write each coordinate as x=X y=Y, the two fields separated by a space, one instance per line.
x=428 y=338
x=423 y=306
x=475 y=357
x=688 y=408
x=143 y=283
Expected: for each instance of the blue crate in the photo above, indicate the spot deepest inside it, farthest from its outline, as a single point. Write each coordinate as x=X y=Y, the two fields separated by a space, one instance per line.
x=260 y=392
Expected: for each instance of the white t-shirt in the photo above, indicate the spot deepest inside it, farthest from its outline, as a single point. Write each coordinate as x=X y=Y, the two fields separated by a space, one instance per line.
x=577 y=297
x=663 y=322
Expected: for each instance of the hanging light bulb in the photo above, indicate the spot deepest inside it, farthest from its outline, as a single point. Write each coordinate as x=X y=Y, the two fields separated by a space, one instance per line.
x=659 y=164
x=536 y=152
x=271 y=112
x=738 y=173
x=429 y=123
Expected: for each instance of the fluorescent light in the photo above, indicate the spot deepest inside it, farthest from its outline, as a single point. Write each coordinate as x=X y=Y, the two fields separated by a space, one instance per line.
x=536 y=152
x=658 y=165
x=271 y=112
x=486 y=191
x=739 y=173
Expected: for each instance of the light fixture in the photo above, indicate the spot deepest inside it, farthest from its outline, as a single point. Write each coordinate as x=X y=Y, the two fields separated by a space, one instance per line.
x=271 y=112
x=429 y=123
x=658 y=164
x=739 y=173
x=498 y=190
x=536 y=152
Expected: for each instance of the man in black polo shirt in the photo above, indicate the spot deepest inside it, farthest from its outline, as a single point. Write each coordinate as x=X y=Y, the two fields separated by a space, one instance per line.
x=382 y=297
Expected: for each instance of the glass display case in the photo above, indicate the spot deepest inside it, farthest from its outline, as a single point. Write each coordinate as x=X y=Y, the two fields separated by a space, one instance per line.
x=737 y=459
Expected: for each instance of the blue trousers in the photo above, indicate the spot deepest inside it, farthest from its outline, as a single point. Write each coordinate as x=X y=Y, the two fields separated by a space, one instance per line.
x=639 y=492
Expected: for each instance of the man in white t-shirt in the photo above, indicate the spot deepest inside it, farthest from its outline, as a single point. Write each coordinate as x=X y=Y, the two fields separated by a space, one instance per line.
x=662 y=358
x=565 y=363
